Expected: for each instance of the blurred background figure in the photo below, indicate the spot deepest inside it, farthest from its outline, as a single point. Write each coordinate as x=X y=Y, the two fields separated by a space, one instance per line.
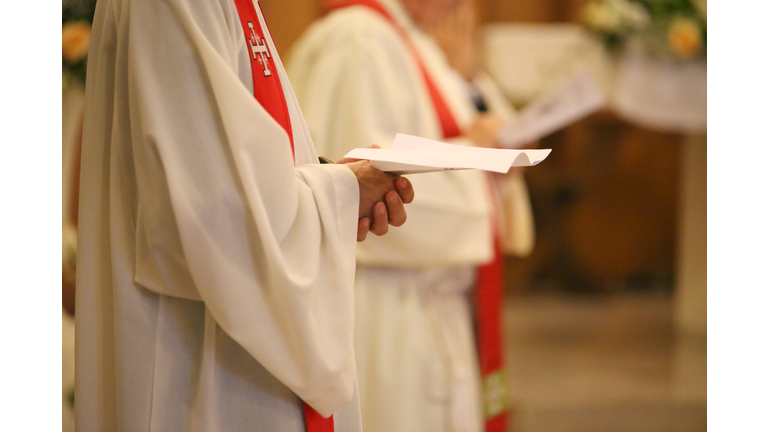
x=457 y=35
x=363 y=73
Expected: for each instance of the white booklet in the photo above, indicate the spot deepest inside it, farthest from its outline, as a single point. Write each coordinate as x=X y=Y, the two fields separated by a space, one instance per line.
x=573 y=100
x=410 y=154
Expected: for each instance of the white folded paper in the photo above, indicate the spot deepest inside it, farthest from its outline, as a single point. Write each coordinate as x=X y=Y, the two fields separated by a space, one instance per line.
x=573 y=100
x=410 y=154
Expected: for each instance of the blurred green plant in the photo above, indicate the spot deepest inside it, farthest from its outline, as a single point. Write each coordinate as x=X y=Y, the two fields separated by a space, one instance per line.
x=76 y=17
x=671 y=29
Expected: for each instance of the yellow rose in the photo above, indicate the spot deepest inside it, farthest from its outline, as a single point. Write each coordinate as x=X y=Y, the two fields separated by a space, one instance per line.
x=601 y=17
x=684 y=38
x=75 y=37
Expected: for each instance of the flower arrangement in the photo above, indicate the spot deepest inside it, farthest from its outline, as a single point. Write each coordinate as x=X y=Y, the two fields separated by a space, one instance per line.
x=670 y=29
x=77 y=17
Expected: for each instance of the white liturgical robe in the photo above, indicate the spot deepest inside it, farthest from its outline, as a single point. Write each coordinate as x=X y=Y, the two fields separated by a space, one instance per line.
x=215 y=280
x=516 y=227
x=359 y=85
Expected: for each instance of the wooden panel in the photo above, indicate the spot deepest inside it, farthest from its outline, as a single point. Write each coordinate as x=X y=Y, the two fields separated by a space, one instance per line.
x=605 y=204
x=517 y=10
x=288 y=19
x=539 y=11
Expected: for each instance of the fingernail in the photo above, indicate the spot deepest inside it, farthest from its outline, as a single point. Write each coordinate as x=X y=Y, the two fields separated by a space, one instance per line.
x=392 y=198
x=381 y=210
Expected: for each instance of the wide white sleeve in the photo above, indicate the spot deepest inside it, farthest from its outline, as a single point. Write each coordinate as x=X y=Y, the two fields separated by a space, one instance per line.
x=270 y=248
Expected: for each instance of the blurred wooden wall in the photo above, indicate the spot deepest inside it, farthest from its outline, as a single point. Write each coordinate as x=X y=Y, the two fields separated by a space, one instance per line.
x=538 y=11
x=288 y=18
x=605 y=201
x=605 y=204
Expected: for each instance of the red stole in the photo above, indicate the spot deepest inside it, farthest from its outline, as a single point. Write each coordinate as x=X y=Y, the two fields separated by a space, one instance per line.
x=266 y=84
x=490 y=281
x=269 y=92
x=447 y=122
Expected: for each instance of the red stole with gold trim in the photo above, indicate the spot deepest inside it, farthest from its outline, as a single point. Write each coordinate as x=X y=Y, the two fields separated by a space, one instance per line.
x=490 y=281
x=269 y=92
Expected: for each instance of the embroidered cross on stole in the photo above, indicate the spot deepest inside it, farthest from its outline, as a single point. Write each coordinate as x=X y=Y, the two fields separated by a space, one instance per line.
x=269 y=92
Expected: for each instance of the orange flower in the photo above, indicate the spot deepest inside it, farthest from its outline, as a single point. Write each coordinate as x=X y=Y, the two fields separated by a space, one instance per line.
x=75 y=37
x=684 y=38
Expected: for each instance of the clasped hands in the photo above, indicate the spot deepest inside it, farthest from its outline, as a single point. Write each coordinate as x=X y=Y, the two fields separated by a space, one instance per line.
x=382 y=197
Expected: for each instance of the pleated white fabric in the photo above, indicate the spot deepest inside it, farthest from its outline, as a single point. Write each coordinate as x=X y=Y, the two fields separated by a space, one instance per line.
x=358 y=85
x=215 y=280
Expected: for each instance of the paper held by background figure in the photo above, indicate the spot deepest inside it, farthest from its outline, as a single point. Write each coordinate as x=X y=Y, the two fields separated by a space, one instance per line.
x=573 y=100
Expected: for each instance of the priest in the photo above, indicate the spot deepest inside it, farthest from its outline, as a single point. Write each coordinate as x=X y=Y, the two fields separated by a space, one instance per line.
x=216 y=255
x=365 y=72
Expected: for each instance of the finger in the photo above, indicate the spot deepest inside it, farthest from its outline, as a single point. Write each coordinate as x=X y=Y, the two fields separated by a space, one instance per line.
x=347 y=160
x=395 y=209
x=405 y=189
x=380 y=223
x=362 y=228
x=374 y=146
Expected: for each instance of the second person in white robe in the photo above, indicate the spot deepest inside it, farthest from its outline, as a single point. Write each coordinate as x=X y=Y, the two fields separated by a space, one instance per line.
x=358 y=85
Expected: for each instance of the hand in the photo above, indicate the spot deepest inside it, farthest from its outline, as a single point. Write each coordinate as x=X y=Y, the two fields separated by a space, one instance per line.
x=484 y=130
x=382 y=199
x=389 y=212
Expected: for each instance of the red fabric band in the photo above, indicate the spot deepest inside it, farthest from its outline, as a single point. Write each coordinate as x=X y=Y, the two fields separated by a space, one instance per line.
x=269 y=92
x=266 y=83
x=490 y=282
x=316 y=422
x=489 y=295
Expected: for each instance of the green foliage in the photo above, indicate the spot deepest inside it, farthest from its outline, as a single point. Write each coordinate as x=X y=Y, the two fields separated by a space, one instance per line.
x=675 y=29
x=78 y=10
x=73 y=11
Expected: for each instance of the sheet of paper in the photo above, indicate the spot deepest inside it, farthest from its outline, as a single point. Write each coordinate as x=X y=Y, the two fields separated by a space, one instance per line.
x=573 y=100
x=410 y=155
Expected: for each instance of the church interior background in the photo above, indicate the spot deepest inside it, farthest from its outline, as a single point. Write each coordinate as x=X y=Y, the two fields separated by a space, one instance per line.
x=605 y=321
